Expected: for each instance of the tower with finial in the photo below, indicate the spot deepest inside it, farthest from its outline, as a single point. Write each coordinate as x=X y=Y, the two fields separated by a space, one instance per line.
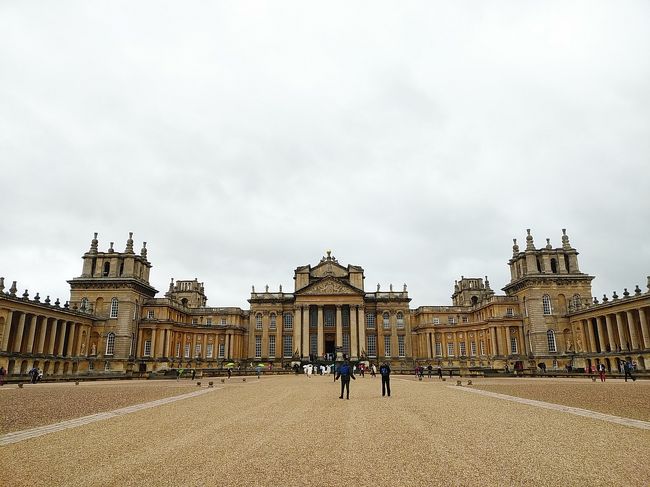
x=114 y=284
x=545 y=280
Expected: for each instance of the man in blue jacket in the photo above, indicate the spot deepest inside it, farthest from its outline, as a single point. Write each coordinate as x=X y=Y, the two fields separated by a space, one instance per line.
x=384 y=371
x=345 y=372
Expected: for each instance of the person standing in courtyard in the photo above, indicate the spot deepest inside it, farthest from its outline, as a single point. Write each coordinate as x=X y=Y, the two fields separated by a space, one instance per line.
x=3 y=372
x=439 y=372
x=429 y=370
x=229 y=372
x=346 y=373
x=384 y=371
x=193 y=373
x=627 y=368
x=601 y=372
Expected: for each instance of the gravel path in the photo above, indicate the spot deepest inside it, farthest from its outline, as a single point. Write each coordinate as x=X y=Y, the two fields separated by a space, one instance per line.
x=292 y=431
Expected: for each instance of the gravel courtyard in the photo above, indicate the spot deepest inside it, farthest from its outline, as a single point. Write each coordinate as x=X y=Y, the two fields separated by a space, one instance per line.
x=294 y=431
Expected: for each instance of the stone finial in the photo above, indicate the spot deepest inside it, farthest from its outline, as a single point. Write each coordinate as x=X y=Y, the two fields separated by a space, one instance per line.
x=57 y=303
x=143 y=250
x=515 y=247
x=280 y=287
x=13 y=289
x=26 y=294
x=47 y=300
x=614 y=296
x=487 y=283
x=110 y=249
x=565 y=240
x=129 y=244
x=66 y=305
x=637 y=290
x=548 y=244
x=404 y=287
x=605 y=298
x=93 y=244
x=253 y=289
x=378 y=287
x=390 y=287
x=530 y=245
x=2 y=284
x=595 y=300
x=171 y=286
x=37 y=298
x=626 y=294
x=329 y=255
x=266 y=288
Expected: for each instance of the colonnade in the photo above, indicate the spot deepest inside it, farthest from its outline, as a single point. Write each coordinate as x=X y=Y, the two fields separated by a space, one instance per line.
x=29 y=333
x=471 y=343
x=618 y=331
x=169 y=343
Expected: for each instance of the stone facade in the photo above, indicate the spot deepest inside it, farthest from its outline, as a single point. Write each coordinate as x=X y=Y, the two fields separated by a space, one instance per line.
x=114 y=324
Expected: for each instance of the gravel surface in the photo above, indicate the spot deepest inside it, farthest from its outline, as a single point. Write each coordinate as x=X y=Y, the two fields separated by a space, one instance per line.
x=629 y=400
x=41 y=404
x=294 y=431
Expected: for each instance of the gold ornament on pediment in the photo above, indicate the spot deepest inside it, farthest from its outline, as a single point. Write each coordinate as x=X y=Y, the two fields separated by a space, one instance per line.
x=329 y=287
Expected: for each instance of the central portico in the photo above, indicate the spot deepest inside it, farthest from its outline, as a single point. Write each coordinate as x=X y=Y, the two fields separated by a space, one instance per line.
x=325 y=317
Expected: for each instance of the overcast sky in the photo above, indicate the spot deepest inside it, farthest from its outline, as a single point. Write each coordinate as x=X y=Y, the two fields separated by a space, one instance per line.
x=243 y=139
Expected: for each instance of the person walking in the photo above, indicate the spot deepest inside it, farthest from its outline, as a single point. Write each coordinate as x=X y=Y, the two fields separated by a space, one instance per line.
x=229 y=372
x=373 y=371
x=384 y=371
x=429 y=370
x=345 y=373
x=33 y=373
x=627 y=368
x=439 y=372
x=601 y=372
x=193 y=373
x=3 y=372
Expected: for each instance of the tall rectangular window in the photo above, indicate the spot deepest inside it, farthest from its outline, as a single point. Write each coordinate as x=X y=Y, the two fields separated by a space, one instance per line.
x=345 y=315
x=371 y=341
x=462 y=349
x=147 y=348
x=401 y=348
x=114 y=307
x=187 y=350
x=222 y=350
x=330 y=317
x=288 y=321
x=509 y=312
x=313 y=344
x=209 y=350
x=346 y=343
x=450 y=349
x=472 y=348
x=287 y=346
x=178 y=349
x=271 y=346
x=482 y=346
x=197 y=350
x=273 y=322
x=387 y=345
x=258 y=321
x=438 y=349
x=513 y=345
x=258 y=346
x=370 y=320
x=208 y=321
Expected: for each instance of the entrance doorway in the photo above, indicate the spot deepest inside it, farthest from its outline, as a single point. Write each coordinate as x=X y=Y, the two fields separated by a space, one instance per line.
x=330 y=349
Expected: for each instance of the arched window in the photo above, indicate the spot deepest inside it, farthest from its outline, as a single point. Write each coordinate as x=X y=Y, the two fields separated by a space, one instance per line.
x=554 y=266
x=107 y=269
x=546 y=304
x=110 y=343
x=386 y=319
x=272 y=321
x=288 y=321
x=576 y=301
x=114 y=307
x=258 y=321
x=550 y=338
x=400 y=319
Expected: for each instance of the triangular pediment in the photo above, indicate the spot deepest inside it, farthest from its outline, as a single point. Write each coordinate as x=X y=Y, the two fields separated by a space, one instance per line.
x=329 y=267
x=329 y=286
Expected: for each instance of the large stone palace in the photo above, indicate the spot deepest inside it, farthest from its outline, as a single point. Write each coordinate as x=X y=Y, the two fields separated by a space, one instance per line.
x=114 y=324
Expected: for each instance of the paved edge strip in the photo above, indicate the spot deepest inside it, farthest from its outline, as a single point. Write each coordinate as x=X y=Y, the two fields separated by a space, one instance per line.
x=632 y=423
x=18 y=436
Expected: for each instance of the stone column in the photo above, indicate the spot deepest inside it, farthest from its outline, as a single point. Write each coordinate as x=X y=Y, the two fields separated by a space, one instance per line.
x=297 y=329
x=610 y=333
x=361 y=320
x=354 y=334
x=321 y=336
x=589 y=325
x=153 y=343
x=193 y=346
x=70 y=350
x=394 y=348
x=429 y=342
x=508 y=348
x=138 y=352
x=495 y=343
x=19 y=333
x=602 y=333
x=632 y=329
x=445 y=349
x=62 y=333
x=6 y=332
x=645 y=331
x=53 y=333
x=305 y=332
x=41 y=334
x=339 y=331
x=621 y=331
x=30 y=335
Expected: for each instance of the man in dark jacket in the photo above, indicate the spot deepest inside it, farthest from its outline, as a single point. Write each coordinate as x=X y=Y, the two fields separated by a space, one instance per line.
x=345 y=372
x=384 y=371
